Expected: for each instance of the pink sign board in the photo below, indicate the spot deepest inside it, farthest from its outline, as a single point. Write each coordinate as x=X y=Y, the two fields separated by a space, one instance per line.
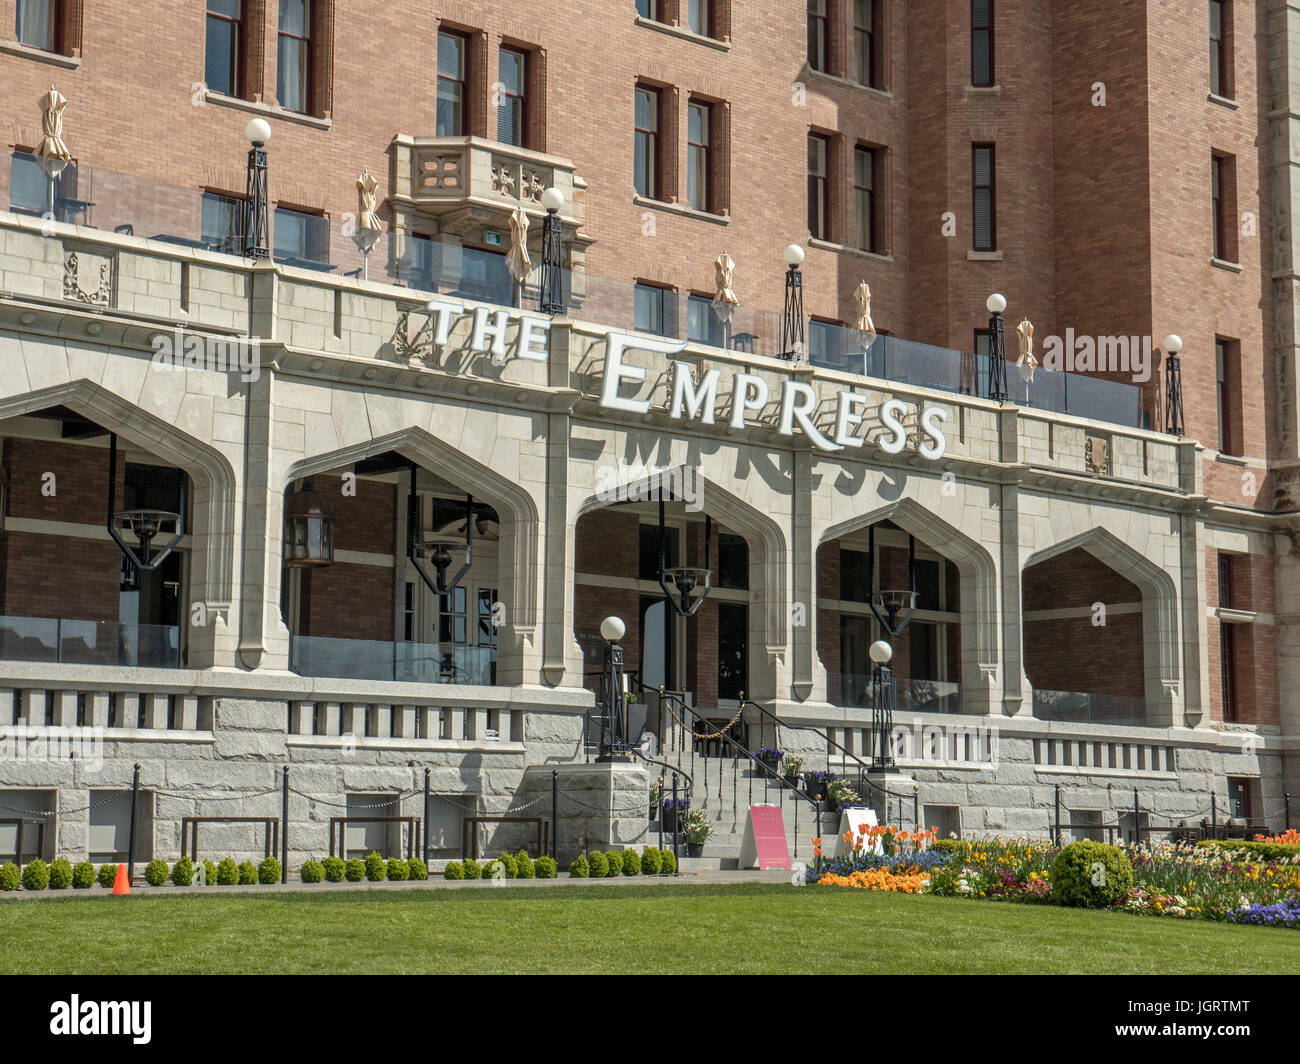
x=764 y=843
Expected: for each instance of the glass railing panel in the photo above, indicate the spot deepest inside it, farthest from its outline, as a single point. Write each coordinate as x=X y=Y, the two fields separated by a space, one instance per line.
x=917 y=696
x=367 y=659
x=29 y=638
x=1078 y=707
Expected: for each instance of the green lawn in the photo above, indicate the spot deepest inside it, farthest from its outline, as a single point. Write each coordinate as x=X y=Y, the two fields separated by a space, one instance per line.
x=706 y=928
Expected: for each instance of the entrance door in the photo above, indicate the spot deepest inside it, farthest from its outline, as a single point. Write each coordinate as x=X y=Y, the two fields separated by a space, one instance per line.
x=658 y=643
x=855 y=663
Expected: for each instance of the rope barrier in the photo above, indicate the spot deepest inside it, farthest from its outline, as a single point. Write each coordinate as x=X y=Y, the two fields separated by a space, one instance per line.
x=710 y=735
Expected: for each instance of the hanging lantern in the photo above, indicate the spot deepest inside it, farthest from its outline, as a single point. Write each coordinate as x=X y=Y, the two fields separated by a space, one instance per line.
x=308 y=531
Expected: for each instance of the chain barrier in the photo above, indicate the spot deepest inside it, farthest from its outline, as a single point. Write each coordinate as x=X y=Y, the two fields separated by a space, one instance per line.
x=705 y=736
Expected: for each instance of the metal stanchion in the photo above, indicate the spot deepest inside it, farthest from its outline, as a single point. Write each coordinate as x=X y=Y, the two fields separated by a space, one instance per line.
x=555 y=805
x=284 y=833
x=130 y=837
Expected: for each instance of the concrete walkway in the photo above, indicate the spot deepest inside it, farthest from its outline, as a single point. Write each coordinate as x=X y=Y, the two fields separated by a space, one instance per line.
x=143 y=890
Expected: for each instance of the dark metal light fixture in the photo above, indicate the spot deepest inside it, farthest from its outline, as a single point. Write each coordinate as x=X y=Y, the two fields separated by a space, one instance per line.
x=308 y=530
x=997 y=349
x=257 y=223
x=144 y=524
x=891 y=605
x=551 y=288
x=613 y=701
x=686 y=586
x=1174 y=424
x=438 y=548
x=793 y=343
x=882 y=704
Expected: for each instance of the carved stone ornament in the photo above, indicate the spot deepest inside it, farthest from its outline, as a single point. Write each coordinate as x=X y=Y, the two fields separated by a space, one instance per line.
x=101 y=296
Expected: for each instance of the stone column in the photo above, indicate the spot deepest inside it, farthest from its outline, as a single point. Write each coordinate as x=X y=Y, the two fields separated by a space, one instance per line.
x=601 y=807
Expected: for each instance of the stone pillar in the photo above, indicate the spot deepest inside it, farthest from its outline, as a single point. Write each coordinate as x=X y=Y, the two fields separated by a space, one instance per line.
x=601 y=807
x=1014 y=682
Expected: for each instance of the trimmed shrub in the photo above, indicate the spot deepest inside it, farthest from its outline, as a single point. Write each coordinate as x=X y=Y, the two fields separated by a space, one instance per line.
x=247 y=873
x=375 y=867
x=1261 y=851
x=269 y=870
x=490 y=870
x=1090 y=874
x=398 y=869
x=10 y=876
x=418 y=869
x=60 y=873
x=598 y=865
x=524 y=867
x=667 y=862
x=631 y=862
x=36 y=876
x=312 y=872
x=614 y=861
x=83 y=876
x=454 y=870
x=473 y=870
x=107 y=876
x=651 y=861
x=510 y=865
x=155 y=872
x=545 y=867
x=579 y=868
x=183 y=872
x=227 y=872
x=355 y=869
x=334 y=868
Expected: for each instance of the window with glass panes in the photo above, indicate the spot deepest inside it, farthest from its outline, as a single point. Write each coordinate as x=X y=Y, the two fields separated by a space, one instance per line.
x=510 y=113
x=733 y=561
x=981 y=43
x=1222 y=356
x=733 y=657
x=702 y=324
x=983 y=176
x=1218 y=48
x=36 y=24
x=450 y=120
x=818 y=31
x=698 y=156
x=28 y=185
x=293 y=56
x=648 y=9
x=1218 y=205
x=221 y=61
x=646 y=161
x=300 y=236
x=699 y=16
x=865 y=167
x=648 y=549
x=818 y=201
x=222 y=223
x=655 y=310
x=864 y=43
x=453 y=618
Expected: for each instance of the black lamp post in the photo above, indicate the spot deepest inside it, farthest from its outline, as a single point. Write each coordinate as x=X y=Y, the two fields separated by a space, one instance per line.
x=882 y=705
x=792 y=334
x=551 y=289
x=612 y=701
x=1174 y=424
x=997 y=349
x=257 y=226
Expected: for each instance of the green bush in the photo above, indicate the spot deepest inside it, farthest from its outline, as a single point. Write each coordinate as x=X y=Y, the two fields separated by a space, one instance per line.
x=510 y=865
x=183 y=872
x=36 y=876
x=269 y=870
x=1262 y=851
x=631 y=862
x=1077 y=879
x=210 y=873
x=398 y=869
x=614 y=860
x=651 y=861
x=312 y=872
x=667 y=862
x=107 y=876
x=945 y=845
x=155 y=872
x=247 y=873
x=10 y=876
x=355 y=869
x=454 y=870
x=418 y=869
x=545 y=867
x=524 y=867
x=334 y=868
x=579 y=868
x=60 y=873
x=490 y=870
x=227 y=872
x=375 y=867
x=83 y=876
x=473 y=870
x=598 y=864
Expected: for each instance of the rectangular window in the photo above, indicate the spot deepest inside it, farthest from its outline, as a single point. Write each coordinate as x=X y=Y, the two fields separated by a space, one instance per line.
x=223 y=223
x=864 y=43
x=981 y=43
x=699 y=16
x=733 y=561
x=866 y=165
x=453 y=621
x=983 y=182
x=702 y=324
x=646 y=161
x=511 y=74
x=854 y=586
x=450 y=120
x=1225 y=581
x=221 y=69
x=818 y=28
x=29 y=190
x=733 y=636
x=1219 y=48
x=301 y=238
x=1227 y=374
x=1219 y=205
x=1239 y=793
x=655 y=310
x=1228 y=669
x=293 y=56
x=37 y=24
x=699 y=168
x=818 y=203
x=648 y=9
x=648 y=550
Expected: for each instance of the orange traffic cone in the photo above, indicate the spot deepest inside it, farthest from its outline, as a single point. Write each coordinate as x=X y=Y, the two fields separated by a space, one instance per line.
x=121 y=885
